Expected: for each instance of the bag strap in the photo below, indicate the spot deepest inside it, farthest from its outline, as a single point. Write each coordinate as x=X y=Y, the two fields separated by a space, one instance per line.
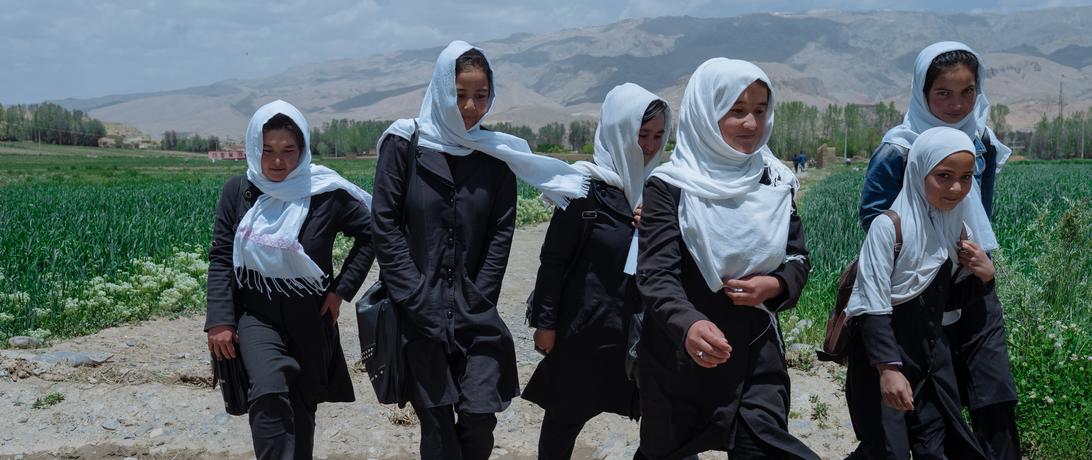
x=897 y=221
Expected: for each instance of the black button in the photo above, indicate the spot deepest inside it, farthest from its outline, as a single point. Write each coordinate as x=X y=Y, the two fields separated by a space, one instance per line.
x=451 y=200
x=450 y=241
x=450 y=314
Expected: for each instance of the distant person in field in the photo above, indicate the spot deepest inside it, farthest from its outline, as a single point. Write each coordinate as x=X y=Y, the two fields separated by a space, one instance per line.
x=444 y=215
x=947 y=90
x=800 y=161
x=272 y=290
x=722 y=252
x=901 y=385
x=584 y=300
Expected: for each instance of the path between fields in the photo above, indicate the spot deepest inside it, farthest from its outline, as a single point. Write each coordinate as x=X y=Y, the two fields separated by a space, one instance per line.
x=150 y=400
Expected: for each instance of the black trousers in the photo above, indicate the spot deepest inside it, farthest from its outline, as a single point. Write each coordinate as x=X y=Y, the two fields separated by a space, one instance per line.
x=995 y=428
x=747 y=446
x=926 y=431
x=442 y=438
x=282 y=426
x=980 y=355
x=557 y=438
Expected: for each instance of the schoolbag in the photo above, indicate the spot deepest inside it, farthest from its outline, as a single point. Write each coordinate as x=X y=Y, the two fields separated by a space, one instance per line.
x=840 y=330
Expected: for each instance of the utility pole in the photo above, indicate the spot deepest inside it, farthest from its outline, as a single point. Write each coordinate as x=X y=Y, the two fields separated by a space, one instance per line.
x=1061 y=100
x=845 y=138
x=1060 y=130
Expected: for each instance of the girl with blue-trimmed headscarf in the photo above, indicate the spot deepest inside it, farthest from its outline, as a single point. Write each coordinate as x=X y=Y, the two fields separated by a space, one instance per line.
x=947 y=90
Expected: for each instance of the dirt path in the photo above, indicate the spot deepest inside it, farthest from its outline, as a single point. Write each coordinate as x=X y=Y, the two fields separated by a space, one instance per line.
x=149 y=400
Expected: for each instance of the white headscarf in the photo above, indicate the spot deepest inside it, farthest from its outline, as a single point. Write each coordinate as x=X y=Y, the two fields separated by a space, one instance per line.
x=732 y=225
x=929 y=235
x=919 y=118
x=441 y=128
x=618 y=158
x=267 y=254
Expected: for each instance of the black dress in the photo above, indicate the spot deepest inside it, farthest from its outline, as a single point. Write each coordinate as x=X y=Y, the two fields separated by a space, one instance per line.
x=582 y=293
x=285 y=344
x=443 y=229
x=688 y=409
x=912 y=335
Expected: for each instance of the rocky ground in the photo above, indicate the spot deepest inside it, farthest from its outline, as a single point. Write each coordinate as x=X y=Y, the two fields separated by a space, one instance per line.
x=142 y=391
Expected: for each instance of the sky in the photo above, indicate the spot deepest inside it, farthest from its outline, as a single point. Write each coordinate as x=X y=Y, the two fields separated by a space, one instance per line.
x=87 y=48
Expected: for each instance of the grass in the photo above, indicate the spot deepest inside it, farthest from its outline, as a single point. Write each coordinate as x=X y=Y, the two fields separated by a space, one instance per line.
x=96 y=237
x=820 y=411
x=48 y=400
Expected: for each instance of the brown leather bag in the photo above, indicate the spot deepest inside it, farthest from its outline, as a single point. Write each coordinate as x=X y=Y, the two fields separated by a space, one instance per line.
x=840 y=330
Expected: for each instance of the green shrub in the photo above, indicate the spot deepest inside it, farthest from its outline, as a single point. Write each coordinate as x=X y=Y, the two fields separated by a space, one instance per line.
x=1048 y=308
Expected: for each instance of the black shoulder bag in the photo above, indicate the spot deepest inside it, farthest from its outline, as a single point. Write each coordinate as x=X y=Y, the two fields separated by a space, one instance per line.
x=378 y=326
x=230 y=374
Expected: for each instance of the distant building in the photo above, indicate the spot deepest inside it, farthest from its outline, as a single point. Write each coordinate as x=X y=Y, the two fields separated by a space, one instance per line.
x=236 y=154
x=140 y=142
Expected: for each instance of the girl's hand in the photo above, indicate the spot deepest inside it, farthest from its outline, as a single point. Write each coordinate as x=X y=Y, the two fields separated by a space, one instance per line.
x=975 y=260
x=545 y=339
x=332 y=304
x=895 y=389
x=637 y=216
x=220 y=342
x=706 y=345
x=752 y=290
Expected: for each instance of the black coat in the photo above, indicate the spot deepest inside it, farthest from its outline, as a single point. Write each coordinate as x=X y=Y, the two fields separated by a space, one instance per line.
x=443 y=230
x=912 y=335
x=582 y=293
x=311 y=341
x=685 y=408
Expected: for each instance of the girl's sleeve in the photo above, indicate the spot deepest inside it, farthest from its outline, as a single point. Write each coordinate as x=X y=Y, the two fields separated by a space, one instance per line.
x=220 y=309
x=659 y=263
x=870 y=304
x=558 y=251
x=356 y=223
x=793 y=274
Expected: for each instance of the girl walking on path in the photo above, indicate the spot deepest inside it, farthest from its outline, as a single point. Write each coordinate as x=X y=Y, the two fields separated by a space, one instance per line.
x=443 y=215
x=583 y=300
x=901 y=385
x=722 y=251
x=947 y=90
x=271 y=286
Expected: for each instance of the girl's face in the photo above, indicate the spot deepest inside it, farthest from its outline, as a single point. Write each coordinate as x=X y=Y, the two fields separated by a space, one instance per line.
x=950 y=181
x=953 y=94
x=280 y=154
x=651 y=137
x=472 y=95
x=745 y=123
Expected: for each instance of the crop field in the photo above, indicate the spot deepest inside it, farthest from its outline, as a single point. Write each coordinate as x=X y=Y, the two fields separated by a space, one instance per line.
x=95 y=237
x=1044 y=280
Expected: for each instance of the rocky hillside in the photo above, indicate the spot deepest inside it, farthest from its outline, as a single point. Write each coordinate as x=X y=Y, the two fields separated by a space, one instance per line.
x=818 y=57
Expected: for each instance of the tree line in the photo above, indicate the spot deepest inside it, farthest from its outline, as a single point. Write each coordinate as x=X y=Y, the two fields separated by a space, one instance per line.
x=1060 y=137
x=192 y=143
x=49 y=123
x=851 y=129
x=341 y=137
